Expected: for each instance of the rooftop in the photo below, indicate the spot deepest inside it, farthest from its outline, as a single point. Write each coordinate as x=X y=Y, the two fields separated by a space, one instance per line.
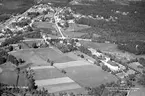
x=112 y=63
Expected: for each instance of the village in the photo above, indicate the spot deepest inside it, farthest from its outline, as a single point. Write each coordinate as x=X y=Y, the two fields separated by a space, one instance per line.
x=66 y=57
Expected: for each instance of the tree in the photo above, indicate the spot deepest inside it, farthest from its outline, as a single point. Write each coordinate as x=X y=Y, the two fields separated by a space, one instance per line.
x=10 y=48
x=141 y=80
x=31 y=84
x=18 y=73
x=34 y=45
x=142 y=61
x=132 y=77
x=82 y=56
x=104 y=67
x=52 y=62
x=2 y=60
x=12 y=59
x=21 y=61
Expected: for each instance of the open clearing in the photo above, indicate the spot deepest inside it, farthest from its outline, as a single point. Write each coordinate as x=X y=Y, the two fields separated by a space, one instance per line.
x=89 y=76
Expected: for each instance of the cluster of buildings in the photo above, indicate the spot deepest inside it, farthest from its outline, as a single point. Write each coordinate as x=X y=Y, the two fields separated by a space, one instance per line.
x=112 y=65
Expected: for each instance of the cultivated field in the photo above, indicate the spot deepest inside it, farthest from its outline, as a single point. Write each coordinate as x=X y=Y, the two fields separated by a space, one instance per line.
x=30 y=57
x=71 y=64
x=71 y=31
x=44 y=25
x=89 y=76
x=102 y=46
x=52 y=54
x=9 y=75
x=76 y=27
x=47 y=73
x=86 y=74
x=108 y=48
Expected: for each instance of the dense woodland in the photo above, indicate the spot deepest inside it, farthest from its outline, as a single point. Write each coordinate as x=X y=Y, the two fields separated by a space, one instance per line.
x=13 y=7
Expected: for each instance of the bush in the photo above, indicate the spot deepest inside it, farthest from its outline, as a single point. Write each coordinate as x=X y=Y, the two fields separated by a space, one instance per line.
x=12 y=40
x=34 y=45
x=142 y=61
x=136 y=47
x=2 y=60
x=12 y=59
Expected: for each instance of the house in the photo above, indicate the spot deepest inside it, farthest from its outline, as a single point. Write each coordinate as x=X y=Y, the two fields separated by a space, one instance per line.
x=15 y=46
x=94 y=52
x=111 y=65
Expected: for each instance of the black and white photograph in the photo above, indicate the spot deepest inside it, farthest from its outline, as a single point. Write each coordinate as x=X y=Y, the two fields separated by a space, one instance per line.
x=72 y=47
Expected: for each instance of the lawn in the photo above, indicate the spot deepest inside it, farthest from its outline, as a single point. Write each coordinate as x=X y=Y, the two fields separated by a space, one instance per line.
x=89 y=75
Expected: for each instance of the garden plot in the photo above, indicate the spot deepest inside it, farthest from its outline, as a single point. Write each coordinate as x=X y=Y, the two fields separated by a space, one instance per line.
x=89 y=76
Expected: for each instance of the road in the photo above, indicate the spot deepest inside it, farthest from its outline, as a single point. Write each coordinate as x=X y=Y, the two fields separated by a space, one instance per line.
x=56 y=21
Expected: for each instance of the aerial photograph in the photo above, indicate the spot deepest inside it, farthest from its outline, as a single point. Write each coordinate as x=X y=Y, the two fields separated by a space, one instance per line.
x=72 y=47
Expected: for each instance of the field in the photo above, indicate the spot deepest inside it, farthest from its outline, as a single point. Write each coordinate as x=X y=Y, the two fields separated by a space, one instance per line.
x=53 y=54
x=30 y=57
x=9 y=75
x=39 y=57
x=47 y=27
x=49 y=73
x=89 y=76
x=108 y=48
x=86 y=74
x=102 y=46
x=71 y=31
x=53 y=80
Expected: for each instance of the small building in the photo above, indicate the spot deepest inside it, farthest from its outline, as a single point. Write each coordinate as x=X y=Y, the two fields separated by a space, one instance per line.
x=15 y=46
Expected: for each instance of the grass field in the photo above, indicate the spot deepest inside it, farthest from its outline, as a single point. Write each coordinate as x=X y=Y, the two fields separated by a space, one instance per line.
x=54 y=55
x=30 y=57
x=46 y=73
x=71 y=31
x=89 y=76
x=39 y=57
x=102 y=46
x=72 y=87
x=9 y=75
x=108 y=48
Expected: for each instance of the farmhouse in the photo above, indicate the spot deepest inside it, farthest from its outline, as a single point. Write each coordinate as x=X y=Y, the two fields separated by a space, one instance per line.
x=94 y=52
x=111 y=65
